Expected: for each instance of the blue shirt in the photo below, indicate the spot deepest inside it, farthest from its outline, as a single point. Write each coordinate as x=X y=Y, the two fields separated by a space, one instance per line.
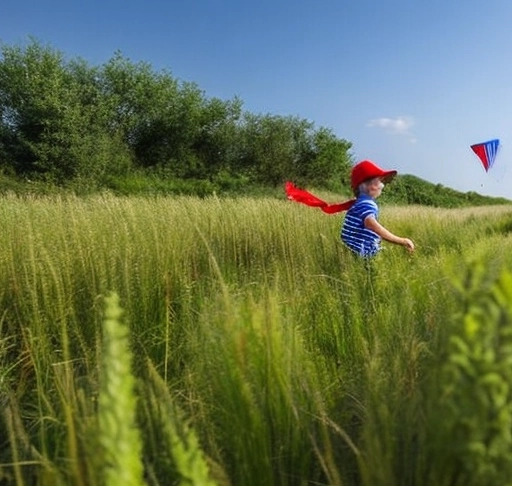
x=360 y=240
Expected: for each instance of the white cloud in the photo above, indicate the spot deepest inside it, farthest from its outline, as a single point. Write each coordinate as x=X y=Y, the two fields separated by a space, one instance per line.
x=400 y=125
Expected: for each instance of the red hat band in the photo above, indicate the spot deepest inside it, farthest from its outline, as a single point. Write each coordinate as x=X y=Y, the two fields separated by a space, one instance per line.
x=368 y=170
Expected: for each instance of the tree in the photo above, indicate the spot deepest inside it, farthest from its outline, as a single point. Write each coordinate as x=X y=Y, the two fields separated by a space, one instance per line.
x=64 y=120
x=331 y=160
x=218 y=139
x=52 y=122
x=278 y=148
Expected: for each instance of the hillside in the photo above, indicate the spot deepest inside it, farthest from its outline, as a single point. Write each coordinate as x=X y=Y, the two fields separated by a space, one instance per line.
x=409 y=189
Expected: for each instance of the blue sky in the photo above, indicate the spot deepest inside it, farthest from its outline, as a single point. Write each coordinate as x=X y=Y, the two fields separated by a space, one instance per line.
x=411 y=84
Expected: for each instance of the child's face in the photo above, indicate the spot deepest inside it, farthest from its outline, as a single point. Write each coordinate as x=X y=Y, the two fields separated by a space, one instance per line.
x=374 y=187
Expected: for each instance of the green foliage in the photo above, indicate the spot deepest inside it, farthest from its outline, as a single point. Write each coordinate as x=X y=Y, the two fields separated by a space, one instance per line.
x=276 y=415
x=176 y=456
x=140 y=184
x=65 y=120
x=476 y=379
x=87 y=128
x=119 y=437
x=52 y=117
x=261 y=352
x=331 y=157
x=409 y=189
x=280 y=148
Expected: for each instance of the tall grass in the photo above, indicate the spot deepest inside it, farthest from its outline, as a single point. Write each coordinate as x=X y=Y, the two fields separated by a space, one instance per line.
x=260 y=351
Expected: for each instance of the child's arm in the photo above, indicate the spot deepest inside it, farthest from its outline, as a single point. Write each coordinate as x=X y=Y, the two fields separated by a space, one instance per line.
x=372 y=224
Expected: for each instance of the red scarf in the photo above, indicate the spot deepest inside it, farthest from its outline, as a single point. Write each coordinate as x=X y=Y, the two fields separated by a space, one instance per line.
x=305 y=197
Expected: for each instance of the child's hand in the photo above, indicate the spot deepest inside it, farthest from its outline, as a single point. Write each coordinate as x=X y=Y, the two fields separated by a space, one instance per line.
x=408 y=244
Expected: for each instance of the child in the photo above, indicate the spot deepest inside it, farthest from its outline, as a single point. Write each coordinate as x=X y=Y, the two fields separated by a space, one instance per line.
x=361 y=232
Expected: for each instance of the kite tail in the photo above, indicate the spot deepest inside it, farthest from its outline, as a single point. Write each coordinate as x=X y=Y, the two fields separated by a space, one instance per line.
x=305 y=197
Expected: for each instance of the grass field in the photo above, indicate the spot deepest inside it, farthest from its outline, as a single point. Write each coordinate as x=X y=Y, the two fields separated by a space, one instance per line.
x=186 y=341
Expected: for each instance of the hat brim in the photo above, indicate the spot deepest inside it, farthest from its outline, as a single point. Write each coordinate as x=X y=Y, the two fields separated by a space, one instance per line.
x=385 y=176
x=388 y=176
